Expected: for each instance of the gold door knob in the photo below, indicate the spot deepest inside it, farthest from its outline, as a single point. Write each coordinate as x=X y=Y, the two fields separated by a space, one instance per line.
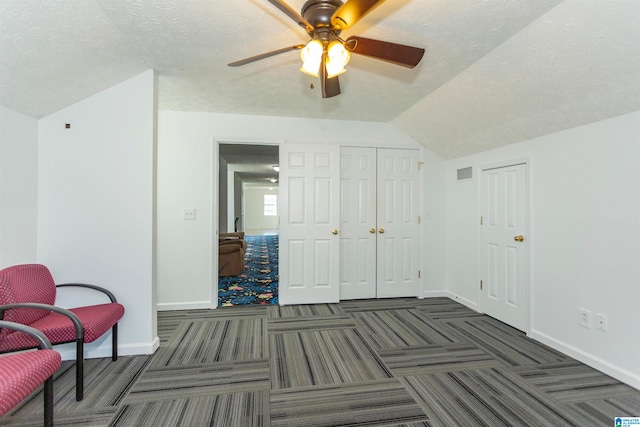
x=335 y=231
x=381 y=230
x=372 y=230
x=519 y=238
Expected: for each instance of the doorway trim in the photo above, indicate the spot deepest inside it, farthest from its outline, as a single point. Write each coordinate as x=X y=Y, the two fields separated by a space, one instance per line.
x=481 y=168
x=215 y=199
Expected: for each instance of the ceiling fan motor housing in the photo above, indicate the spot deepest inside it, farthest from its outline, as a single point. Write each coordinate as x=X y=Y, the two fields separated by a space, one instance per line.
x=319 y=12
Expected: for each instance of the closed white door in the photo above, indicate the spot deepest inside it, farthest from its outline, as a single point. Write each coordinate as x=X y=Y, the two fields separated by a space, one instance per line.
x=358 y=231
x=397 y=223
x=309 y=239
x=504 y=293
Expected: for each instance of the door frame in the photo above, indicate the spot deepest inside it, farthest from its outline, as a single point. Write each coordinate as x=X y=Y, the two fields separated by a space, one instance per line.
x=215 y=200
x=527 y=161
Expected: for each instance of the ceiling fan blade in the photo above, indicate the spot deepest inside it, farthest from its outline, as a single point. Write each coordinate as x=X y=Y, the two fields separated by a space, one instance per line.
x=352 y=11
x=292 y=13
x=265 y=55
x=399 y=54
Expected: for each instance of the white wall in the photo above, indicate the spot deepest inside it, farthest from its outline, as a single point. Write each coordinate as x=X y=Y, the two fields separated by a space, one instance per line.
x=186 y=157
x=96 y=207
x=223 y=209
x=583 y=242
x=18 y=188
x=434 y=218
x=254 y=216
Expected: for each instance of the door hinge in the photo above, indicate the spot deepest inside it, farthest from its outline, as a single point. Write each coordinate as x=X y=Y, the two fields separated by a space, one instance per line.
x=480 y=220
x=420 y=165
x=418 y=274
x=418 y=219
x=480 y=284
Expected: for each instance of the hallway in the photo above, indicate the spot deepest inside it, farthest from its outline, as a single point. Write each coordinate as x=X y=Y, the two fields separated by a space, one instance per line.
x=258 y=285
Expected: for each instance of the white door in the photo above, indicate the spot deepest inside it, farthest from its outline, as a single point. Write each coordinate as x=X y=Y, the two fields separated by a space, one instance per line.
x=309 y=240
x=503 y=293
x=397 y=223
x=357 y=223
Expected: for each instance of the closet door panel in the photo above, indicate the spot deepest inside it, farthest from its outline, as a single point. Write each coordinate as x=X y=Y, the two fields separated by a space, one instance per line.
x=357 y=219
x=398 y=228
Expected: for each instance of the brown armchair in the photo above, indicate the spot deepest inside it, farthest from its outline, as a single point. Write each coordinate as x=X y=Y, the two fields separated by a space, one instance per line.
x=235 y=235
x=231 y=237
x=231 y=257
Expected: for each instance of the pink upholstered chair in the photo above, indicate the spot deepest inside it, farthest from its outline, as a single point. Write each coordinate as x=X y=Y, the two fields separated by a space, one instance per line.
x=22 y=373
x=28 y=295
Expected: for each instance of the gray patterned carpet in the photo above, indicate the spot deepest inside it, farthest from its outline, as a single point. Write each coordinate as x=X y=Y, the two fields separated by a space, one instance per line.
x=401 y=362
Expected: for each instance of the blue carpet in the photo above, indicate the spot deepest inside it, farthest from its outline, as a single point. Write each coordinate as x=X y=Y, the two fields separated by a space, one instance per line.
x=259 y=282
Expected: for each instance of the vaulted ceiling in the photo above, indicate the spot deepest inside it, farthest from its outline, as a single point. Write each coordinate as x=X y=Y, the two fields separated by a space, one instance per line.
x=495 y=72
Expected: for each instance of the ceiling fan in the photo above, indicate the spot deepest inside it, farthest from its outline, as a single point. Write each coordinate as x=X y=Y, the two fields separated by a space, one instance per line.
x=326 y=54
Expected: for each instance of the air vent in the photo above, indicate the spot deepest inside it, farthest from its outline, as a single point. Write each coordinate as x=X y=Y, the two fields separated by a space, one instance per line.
x=465 y=174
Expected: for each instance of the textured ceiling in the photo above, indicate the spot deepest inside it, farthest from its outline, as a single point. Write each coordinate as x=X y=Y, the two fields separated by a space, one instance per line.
x=576 y=65
x=495 y=71
x=252 y=163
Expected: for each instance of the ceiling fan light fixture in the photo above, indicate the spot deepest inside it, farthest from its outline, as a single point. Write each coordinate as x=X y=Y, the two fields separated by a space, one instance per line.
x=326 y=55
x=311 y=56
x=337 y=58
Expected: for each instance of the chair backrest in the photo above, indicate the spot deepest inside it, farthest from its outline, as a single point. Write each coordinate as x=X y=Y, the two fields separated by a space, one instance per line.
x=23 y=283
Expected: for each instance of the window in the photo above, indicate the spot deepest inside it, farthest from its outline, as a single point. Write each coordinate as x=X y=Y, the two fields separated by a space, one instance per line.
x=270 y=205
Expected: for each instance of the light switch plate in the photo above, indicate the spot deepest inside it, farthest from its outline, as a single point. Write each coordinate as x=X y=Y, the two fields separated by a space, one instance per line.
x=188 y=213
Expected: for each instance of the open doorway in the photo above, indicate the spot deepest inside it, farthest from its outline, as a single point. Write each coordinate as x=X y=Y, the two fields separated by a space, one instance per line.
x=248 y=211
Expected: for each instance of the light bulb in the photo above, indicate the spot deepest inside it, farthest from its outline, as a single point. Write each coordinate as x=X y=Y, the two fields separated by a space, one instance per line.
x=311 y=56
x=337 y=58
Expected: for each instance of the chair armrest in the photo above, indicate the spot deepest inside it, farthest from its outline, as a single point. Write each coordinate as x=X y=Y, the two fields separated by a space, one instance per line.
x=237 y=242
x=44 y=342
x=108 y=293
x=232 y=235
x=74 y=319
x=228 y=249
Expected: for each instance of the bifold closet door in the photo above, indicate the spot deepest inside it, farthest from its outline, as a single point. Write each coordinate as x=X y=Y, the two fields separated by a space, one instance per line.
x=379 y=223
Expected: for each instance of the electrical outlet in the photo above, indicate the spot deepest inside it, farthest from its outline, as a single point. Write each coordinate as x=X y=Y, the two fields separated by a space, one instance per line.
x=601 y=322
x=188 y=213
x=584 y=318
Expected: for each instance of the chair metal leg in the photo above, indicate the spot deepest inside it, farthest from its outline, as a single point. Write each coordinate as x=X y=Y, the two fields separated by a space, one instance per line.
x=114 y=342
x=48 y=402
x=79 y=370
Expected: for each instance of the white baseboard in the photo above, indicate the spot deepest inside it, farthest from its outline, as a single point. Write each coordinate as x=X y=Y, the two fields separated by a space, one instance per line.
x=616 y=372
x=436 y=294
x=464 y=301
x=191 y=305
x=102 y=350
